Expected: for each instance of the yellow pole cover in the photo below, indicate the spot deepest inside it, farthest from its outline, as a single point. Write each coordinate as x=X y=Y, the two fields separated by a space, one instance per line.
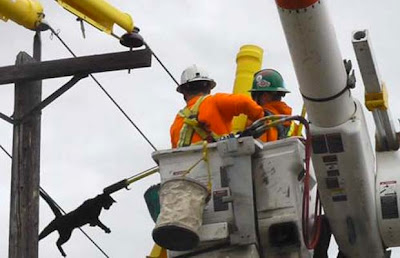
x=99 y=13
x=28 y=13
x=248 y=60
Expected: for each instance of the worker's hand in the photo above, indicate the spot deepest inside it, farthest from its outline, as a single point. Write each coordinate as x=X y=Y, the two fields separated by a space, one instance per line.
x=255 y=130
x=248 y=132
x=252 y=132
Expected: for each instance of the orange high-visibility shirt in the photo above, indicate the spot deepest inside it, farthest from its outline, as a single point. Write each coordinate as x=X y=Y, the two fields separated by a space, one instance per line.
x=276 y=108
x=216 y=113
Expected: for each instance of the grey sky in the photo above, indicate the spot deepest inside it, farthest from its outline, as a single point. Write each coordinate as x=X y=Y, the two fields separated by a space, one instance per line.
x=87 y=144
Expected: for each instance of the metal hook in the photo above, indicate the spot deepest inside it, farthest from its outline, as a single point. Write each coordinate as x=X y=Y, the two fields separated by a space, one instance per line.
x=82 y=27
x=129 y=70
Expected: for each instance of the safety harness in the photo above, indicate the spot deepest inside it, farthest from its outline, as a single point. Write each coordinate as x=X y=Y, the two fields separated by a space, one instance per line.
x=191 y=125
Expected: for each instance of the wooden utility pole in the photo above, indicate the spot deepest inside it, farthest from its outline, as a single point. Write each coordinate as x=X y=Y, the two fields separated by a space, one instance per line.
x=24 y=210
x=27 y=75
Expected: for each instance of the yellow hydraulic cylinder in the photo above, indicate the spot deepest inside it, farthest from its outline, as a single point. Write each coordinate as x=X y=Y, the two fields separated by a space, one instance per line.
x=28 y=13
x=248 y=61
x=99 y=13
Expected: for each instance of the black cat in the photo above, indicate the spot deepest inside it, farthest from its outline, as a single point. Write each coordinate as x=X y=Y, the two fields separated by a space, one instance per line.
x=88 y=212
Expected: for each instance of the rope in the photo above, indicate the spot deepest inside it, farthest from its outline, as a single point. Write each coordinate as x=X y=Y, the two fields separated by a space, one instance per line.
x=104 y=90
x=206 y=160
x=61 y=209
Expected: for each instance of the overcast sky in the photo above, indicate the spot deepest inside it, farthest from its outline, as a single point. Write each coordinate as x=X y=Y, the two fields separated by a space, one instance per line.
x=87 y=144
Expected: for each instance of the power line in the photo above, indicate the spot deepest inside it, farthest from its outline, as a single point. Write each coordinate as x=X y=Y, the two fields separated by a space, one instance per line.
x=104 y=90
x=61 y=209
x=5 y=151
x=161 y=63
x=123 y=112
x=156 y=57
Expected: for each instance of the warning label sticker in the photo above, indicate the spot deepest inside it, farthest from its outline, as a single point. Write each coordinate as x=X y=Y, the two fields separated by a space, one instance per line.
x=339 y=195
x=387 y=188
x=388 y=182
x=388 y=198
x=332 y=166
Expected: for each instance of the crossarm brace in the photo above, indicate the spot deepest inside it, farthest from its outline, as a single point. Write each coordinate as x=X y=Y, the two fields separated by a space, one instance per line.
x=53 y=96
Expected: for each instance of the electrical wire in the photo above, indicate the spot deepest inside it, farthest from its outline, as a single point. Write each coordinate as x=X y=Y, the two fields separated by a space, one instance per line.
x=105 y=91
x=161 y=63
x=61 y=209
x=156 y=57
x=123 y=112
x=5 y=151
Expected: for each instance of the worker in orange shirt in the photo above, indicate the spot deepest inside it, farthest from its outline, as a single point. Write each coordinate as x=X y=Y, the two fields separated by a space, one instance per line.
x=207 y=117
x=268 y=90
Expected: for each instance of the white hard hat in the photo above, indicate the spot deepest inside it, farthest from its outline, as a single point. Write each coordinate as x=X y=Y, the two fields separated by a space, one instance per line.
x=194 y=73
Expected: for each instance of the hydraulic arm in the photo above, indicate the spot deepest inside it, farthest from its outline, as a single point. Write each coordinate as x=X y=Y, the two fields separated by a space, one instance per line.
x=343 y=156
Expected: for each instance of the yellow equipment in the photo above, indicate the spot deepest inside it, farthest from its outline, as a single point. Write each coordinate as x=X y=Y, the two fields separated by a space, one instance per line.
x=377 y=100
x=158 y=252
x=248 y=60
x=303 y=114
x=99 y=13
x=28 y=13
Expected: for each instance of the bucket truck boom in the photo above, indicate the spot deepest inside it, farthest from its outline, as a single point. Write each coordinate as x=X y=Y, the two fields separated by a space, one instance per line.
x=343 y=156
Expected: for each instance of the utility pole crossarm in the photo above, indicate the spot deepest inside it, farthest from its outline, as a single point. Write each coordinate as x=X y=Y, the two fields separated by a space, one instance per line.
x=73 y=66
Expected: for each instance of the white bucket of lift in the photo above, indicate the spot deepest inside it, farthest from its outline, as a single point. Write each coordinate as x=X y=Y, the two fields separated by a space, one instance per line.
x=182 y=202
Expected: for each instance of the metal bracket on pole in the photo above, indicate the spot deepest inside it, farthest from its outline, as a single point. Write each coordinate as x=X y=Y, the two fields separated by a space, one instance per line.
x=53 y=96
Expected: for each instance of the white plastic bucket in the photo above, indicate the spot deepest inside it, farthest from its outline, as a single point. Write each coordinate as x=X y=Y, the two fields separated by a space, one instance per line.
x=182 y=202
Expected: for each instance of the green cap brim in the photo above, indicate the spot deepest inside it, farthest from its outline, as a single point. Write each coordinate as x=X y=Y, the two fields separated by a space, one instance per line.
x=270 y=90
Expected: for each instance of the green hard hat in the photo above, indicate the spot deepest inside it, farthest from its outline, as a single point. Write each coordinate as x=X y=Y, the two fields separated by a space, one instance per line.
x=268 y=80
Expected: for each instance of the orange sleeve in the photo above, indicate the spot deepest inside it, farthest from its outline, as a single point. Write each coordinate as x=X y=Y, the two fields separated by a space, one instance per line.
x=270 y=135
x=230 y=105
x=175 y=130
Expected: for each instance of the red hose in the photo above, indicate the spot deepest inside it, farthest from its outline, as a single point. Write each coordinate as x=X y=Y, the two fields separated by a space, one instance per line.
x=306 y=200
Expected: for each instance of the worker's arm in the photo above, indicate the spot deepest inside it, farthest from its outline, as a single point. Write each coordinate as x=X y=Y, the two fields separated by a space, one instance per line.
x=175 y=130
x=230 y=105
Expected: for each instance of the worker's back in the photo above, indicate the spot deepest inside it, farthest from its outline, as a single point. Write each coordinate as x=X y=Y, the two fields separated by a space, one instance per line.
x=214 y=114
